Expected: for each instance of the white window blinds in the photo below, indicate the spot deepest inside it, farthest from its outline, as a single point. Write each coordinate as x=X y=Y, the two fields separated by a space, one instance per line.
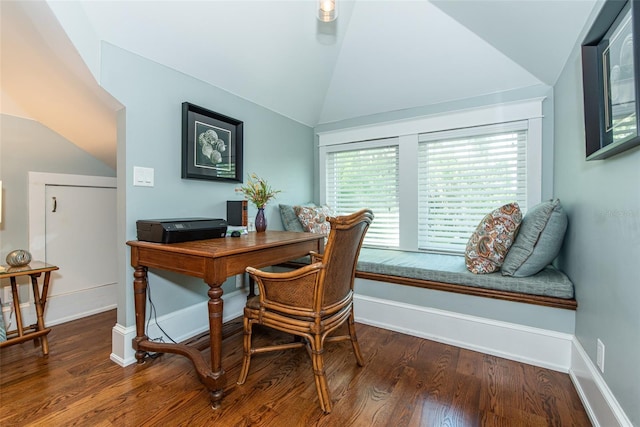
x=367 y=178
x=465 y=174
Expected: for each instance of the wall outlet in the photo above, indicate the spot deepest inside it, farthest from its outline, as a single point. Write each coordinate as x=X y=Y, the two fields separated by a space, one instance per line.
x=239 y=281
x=600 y=356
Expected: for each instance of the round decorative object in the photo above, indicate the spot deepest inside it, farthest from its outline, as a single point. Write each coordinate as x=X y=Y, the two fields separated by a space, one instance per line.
x=18 y=258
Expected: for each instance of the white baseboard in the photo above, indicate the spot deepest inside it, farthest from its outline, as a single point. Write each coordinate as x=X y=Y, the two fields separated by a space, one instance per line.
x=179 y=325
x=601 y=405
x=67 y=307
x=549 y=349
x=76 y=305
x=539 y=347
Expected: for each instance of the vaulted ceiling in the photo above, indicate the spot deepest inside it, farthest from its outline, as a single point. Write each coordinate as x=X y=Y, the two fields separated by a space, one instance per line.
x=378 y=56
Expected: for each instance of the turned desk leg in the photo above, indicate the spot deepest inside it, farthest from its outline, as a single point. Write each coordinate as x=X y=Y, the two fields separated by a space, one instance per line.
x=140 y=301
x=215 y=306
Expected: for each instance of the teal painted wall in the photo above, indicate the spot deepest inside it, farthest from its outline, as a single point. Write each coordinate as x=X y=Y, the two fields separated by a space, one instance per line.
x=275 y=147
x=602 y=246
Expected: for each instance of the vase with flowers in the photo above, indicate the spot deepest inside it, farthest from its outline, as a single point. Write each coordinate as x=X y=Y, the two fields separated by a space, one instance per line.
x=259 y=192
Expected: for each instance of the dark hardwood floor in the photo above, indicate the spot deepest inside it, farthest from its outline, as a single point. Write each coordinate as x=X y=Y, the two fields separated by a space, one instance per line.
x=407 y=381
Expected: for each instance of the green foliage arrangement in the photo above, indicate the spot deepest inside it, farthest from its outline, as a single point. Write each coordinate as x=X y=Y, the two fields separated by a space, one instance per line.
x=258 y=191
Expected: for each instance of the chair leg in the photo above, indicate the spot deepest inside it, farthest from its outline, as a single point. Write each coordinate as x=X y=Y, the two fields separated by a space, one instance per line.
x=317 y=358
x=354 y=339
x=246 y=360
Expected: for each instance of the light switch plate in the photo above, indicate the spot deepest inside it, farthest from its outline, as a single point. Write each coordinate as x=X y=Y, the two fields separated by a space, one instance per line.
x=143 y=177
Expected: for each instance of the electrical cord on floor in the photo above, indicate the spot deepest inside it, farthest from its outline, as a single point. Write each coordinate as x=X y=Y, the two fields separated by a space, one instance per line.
x=152 y=311
x=152 y=355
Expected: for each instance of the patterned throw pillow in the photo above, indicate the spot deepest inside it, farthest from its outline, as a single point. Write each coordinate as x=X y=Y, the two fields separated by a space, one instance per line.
x=314 y=219
x=489 y=244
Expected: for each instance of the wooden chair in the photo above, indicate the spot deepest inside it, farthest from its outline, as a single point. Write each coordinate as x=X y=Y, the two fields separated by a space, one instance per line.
x=311 y=302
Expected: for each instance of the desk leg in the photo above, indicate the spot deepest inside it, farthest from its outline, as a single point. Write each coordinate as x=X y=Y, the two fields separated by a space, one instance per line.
x=16 y=306
x=212 y=376
x=215 y=306
x=40 y=309
x=140 y=301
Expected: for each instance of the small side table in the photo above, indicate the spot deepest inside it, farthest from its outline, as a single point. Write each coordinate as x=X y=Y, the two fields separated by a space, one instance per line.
x=37 y=330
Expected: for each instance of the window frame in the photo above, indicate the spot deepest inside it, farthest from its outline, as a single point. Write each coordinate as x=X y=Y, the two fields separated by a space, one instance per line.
x=407 y=133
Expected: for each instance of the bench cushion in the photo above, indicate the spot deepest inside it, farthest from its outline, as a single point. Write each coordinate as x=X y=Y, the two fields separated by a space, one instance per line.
x=452 y=269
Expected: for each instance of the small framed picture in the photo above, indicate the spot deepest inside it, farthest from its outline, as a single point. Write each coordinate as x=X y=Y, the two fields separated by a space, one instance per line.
x=611 y=82
x=211 y=145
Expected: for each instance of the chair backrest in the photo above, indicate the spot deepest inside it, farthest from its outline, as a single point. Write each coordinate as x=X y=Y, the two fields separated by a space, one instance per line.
x=341 y=256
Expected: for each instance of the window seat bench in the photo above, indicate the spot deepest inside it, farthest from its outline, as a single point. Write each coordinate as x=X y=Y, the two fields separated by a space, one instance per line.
x=550 y=287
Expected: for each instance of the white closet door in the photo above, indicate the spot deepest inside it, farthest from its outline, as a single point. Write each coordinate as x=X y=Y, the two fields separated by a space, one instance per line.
x=81 y=240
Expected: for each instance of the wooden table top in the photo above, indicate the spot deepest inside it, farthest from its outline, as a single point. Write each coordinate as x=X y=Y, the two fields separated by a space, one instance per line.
x=33 y=267
x=224 y=246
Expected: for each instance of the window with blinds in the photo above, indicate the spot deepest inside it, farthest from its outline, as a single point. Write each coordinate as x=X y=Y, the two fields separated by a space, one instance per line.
x=367 y=177
x=430 y=180
x=463 y=175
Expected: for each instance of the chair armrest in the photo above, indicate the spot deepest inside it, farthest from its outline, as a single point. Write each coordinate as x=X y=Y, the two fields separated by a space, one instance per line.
x=292 y=290
x=316 y=257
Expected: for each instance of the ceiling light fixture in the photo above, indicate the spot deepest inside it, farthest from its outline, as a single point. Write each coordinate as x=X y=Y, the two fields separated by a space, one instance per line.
x=327 y=11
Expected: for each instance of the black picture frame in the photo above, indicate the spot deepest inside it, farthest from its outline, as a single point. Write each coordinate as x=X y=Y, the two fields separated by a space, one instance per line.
x=212 y=145
x=611 y=86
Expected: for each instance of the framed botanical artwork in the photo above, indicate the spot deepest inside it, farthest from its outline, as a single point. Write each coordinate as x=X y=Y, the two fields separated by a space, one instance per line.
x=610 y=67
x=211 y=145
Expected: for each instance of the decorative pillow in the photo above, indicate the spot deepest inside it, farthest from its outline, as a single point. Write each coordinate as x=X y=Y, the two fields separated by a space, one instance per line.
x=489 y=244
x=290 y=219
x=314 y=219
x=539 y=240
x=3 y=331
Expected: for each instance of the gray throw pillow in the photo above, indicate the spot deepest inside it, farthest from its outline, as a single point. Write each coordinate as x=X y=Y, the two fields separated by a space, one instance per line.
x=290 y=220
x=538 y=241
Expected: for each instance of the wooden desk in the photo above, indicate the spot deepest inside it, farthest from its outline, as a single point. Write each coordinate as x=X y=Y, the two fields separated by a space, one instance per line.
x=214 y=261
x=21 y=334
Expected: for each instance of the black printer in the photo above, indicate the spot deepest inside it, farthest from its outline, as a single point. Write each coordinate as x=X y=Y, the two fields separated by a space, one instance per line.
x=180 y=230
